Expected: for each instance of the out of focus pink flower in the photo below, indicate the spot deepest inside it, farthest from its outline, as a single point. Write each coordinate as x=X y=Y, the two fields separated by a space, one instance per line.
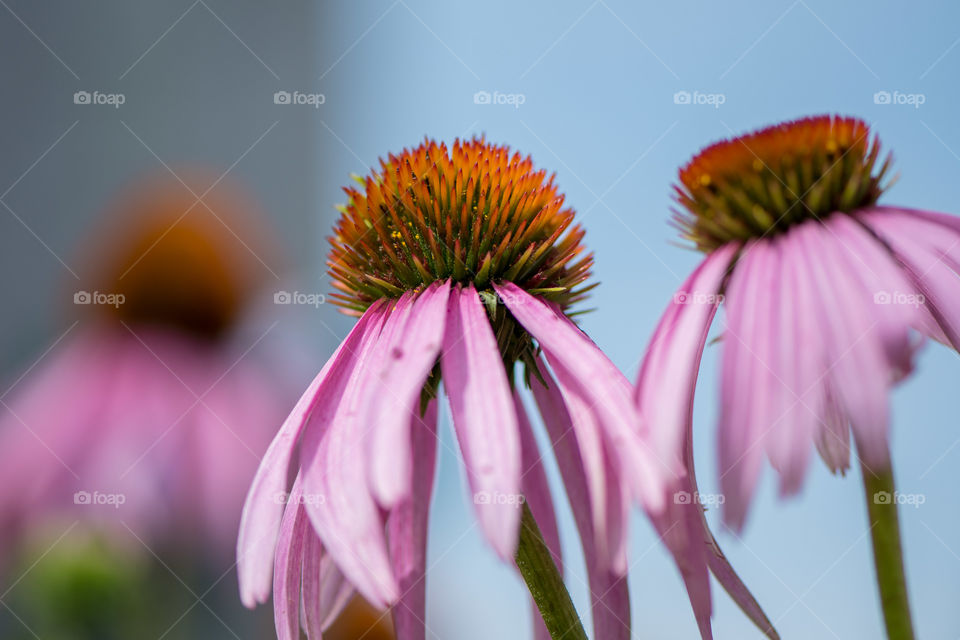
x=151 y=413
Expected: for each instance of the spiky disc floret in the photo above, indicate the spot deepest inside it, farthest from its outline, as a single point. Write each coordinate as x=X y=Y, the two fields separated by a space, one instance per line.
x=764 y=182
x=471 y=213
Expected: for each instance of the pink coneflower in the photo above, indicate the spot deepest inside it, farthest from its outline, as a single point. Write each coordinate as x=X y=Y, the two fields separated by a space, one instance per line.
x=147 y=413
x=463 y=265
x=822 y=288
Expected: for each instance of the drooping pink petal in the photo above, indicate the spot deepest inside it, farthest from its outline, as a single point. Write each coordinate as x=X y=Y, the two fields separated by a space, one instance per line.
x=609 y=596
x=325 y=591
x=610 y=503
x=745 y=415
x=337 y=498
x=483 y=417
x=928 y=247
x=860 y=372
x=261 y=515
x=396 y=393
x=796 y=368
x=876 y=269
x=566 y=346
x=669 y=370
x=287 y=566
x=407 y=528
x=833 y=436
x=536 y=492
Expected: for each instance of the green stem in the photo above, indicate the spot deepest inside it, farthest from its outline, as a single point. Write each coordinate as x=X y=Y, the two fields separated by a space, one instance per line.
x=545 y=582
x=880 y=495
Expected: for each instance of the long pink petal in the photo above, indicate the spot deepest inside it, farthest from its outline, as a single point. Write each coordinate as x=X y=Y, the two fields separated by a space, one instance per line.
x=396 y=394
x=566 y=346
x=928 y=247
x=407 y=529
x=744 y=399
x=325 y=591
x=796 y=370
x=287 y=567
x=669 y=370
x=343 y=513
x=609 y=595
x=536 y=491
x=860 y=372
x=483 y=417
x=261 y=515
x=608 y=500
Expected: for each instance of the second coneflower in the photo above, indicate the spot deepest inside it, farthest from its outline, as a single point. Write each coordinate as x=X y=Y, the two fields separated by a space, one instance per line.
x=822 y=287
x=463 y=265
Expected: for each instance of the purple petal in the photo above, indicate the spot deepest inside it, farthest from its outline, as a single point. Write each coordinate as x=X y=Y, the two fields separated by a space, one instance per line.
x=860 y=372
x=337 y=499
x=928 y=247
x=609 y=594
x=396 y=394
x=407 y=528
x=669 y=371
x=325 y=591
x=744 y=396
x=287 y=567
x=597 y=379
x=262 y=512
x=796 y=369
x=483 y=417
x=536 y=491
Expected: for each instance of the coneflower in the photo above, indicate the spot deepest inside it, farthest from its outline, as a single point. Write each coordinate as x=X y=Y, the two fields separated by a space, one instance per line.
x=464 y=265
x=822 y=288
x=149 y=401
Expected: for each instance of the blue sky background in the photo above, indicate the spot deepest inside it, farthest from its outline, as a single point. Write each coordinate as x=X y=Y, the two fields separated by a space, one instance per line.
x=598 y=82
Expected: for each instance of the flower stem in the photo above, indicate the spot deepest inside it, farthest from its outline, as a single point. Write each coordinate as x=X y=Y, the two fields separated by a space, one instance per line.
x=545 y=582
x=880 y=495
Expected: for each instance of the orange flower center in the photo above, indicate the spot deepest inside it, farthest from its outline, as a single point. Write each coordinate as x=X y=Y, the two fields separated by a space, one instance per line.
x=472 y=213
x=764 y=182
